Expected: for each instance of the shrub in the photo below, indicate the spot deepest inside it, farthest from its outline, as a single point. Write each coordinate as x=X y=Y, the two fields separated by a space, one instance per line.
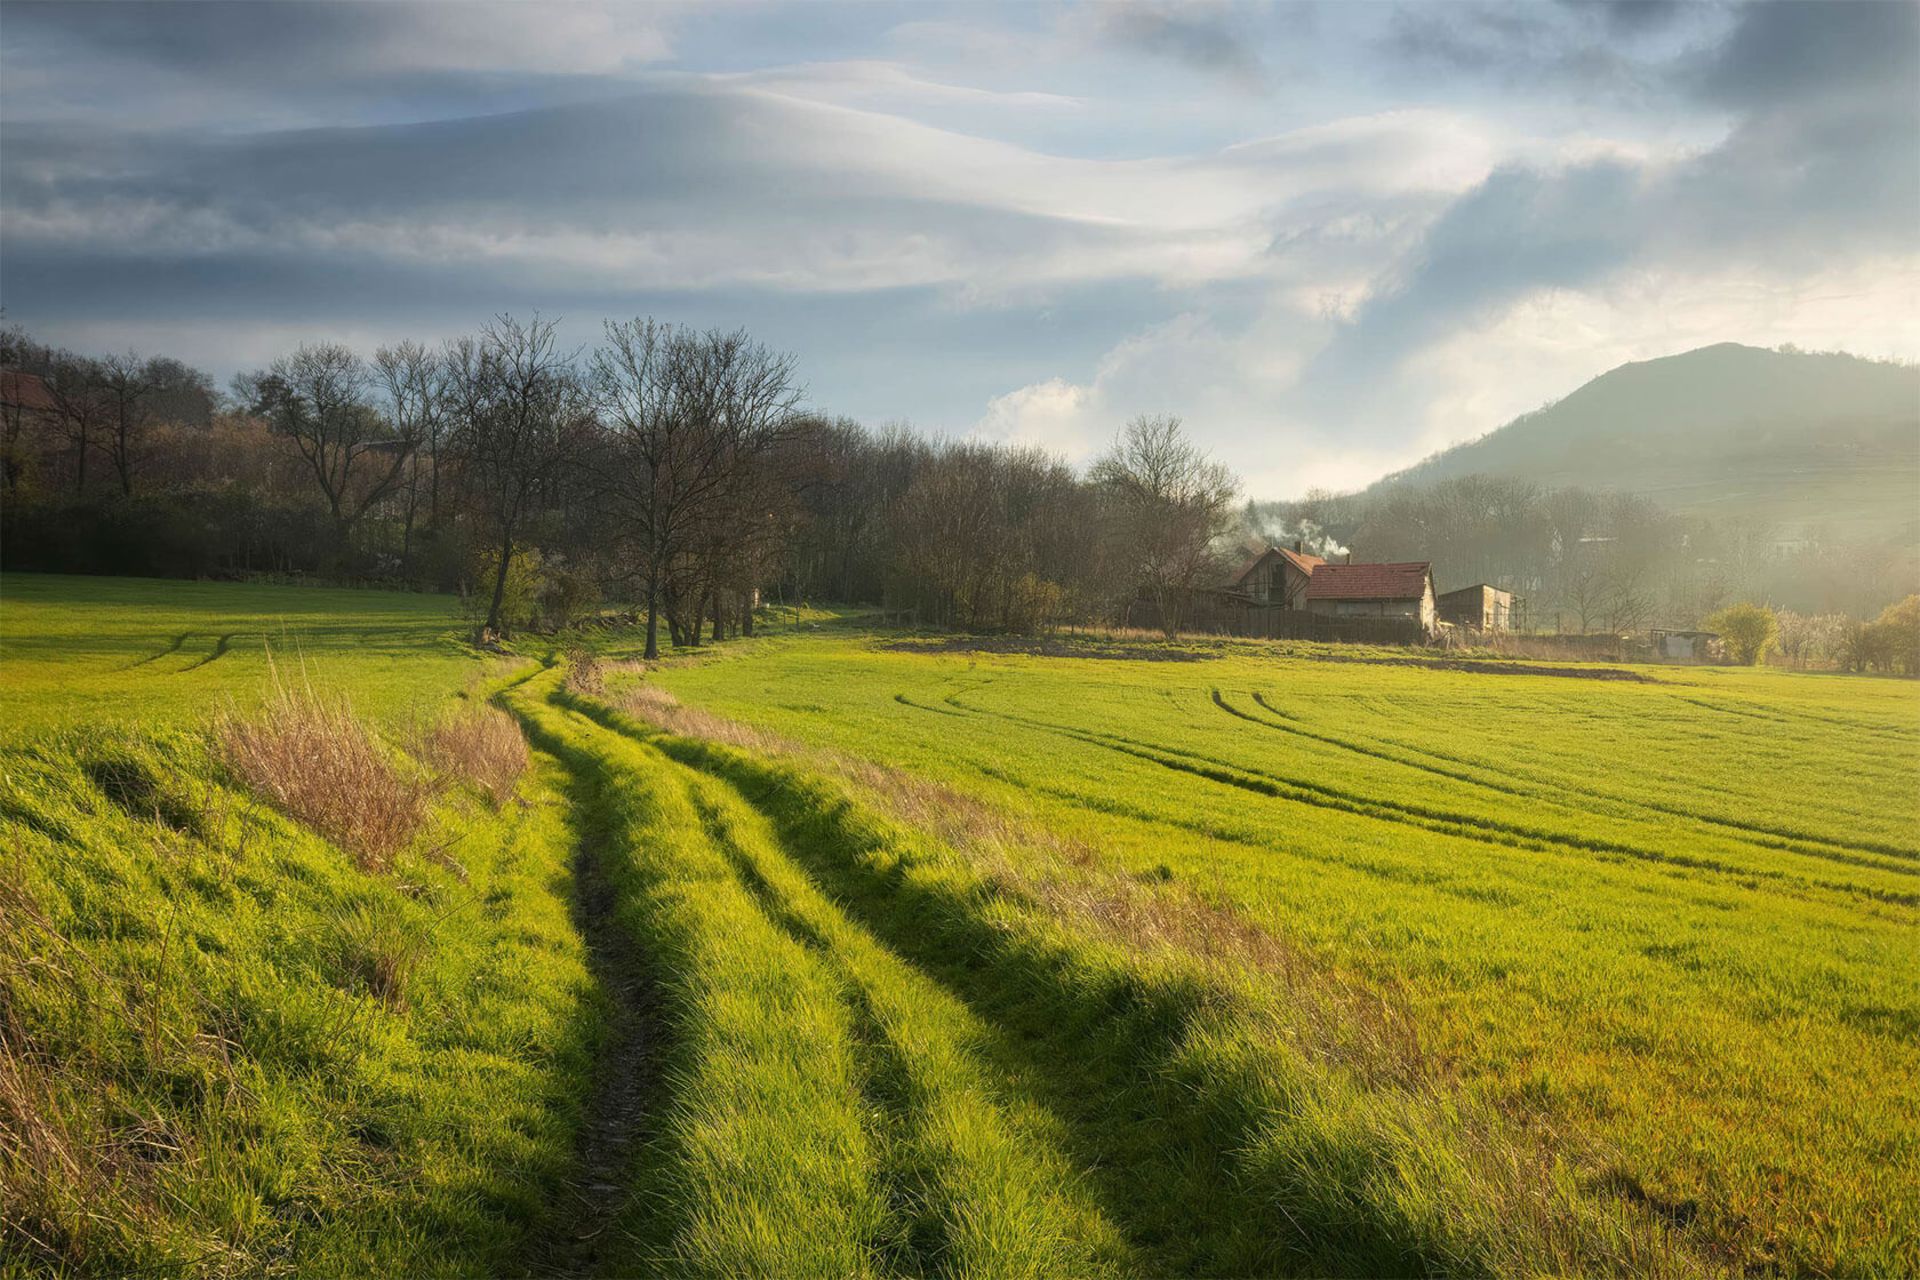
x=315 y=761
x=481 y=744
x=1747 y=631
x=1899 y=625
x=519 y=598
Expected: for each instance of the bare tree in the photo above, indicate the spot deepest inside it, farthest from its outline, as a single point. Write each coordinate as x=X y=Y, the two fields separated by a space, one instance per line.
x=413 y=383
x=80 y=407
x=692 y=414
x=318 y=396
x=127 y=386
x=1170 y=503
x=520 y=416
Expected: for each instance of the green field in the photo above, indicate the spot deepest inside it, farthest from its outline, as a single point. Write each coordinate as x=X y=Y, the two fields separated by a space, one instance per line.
x=835 y=952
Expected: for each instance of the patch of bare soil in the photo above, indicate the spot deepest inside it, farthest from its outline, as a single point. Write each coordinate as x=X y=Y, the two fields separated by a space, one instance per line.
x=1490 y=668
x=1050 y=647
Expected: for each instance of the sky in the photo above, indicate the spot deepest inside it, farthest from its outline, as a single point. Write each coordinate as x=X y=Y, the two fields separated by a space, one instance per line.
x=1331 y=238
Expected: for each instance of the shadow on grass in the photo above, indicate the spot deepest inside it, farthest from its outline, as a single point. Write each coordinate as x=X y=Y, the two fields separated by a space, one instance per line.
x=1110 y=1049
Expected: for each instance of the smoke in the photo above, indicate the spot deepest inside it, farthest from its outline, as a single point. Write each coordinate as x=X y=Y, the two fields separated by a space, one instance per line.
x=1313 y=539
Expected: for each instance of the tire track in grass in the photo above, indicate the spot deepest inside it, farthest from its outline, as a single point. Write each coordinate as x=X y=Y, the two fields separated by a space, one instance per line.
x=219 y=651
x=617 y=1115
x=627 y=1076
x=1442 y=822
x=1209 y=1146
x=754 y=1156
x=1555 y=783
x=1864 y=854
x=969 y=1186
x=173 y=646
x=916 y=1239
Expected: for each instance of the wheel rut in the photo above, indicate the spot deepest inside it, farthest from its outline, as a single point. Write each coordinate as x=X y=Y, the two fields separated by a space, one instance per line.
x=584 y=1239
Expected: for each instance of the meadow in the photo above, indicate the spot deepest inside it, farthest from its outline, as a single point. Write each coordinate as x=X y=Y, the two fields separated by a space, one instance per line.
x=845 y=952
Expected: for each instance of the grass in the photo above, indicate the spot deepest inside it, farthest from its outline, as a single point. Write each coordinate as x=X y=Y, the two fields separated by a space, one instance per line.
x=1675 y=919
x=821 y=954
x=140 y=652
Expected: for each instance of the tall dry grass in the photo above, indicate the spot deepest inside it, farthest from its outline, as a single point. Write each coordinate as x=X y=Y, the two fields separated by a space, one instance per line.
x=313 y=759
x=479 y=743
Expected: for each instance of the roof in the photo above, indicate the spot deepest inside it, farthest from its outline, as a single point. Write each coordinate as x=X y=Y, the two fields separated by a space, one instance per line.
x=25 y=390
x=1306 y=564
x=1478 y=586
x=1370 y=581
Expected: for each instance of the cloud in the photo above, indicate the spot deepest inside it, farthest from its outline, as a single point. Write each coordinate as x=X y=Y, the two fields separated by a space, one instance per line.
x=1028 y=222
x=1820 y=169
x=1202 y=38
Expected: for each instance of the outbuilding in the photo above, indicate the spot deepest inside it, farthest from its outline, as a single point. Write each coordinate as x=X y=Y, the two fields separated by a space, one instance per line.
x=1482 y=607
x=1684 y=646
x=1400 y=591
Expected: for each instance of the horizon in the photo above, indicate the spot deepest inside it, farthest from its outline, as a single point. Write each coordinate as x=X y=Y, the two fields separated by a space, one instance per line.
x=1335 y=240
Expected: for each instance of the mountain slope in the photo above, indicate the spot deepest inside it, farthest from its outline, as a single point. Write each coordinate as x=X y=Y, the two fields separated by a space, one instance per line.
x=1802 y=441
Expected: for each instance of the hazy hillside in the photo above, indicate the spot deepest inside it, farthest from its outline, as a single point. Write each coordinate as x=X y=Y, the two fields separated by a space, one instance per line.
x=1800 y=439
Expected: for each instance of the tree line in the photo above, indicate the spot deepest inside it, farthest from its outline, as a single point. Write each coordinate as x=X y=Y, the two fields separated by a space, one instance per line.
x=684 y=472
x=678 y=469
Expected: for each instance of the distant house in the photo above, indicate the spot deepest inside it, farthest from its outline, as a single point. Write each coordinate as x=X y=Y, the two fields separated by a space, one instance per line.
x=1274 y=578
x=1402 y=591
x=1483 y=607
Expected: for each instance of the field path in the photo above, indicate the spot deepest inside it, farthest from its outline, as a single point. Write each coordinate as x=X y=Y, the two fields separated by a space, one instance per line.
x=582 y=1239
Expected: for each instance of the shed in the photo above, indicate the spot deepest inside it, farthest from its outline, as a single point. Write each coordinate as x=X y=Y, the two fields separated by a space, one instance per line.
x=1402 y=591
x=1683 y=646
x=1483 y=607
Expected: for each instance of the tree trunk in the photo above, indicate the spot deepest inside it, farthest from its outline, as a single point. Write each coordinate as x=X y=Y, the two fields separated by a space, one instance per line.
x=699 y=618
x=653 y=615
x=500 y=585
x=719 y=623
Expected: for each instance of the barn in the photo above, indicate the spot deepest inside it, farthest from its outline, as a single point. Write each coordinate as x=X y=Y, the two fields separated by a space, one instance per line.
x=1398 y=591
x=1482 y=607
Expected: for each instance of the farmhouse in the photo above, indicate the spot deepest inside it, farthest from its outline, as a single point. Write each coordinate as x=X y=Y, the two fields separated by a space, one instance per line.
x=1483 y=607
x=1274 y=578
x=1400 y=591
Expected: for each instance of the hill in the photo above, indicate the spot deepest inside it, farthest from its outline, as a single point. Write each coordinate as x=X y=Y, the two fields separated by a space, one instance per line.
x=1798 y=439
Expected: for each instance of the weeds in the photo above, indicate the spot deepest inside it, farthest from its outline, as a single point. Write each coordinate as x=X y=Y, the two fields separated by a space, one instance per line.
x=316 y=761
x=480 y=744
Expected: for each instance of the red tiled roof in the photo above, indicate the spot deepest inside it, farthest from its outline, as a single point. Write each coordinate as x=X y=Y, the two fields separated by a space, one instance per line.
x=25 y=390
x=1369 y=581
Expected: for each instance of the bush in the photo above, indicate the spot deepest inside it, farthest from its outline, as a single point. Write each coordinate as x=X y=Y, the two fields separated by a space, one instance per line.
x=480 y=744
x=521 y=595
x=314 y=760
x=1746 y=631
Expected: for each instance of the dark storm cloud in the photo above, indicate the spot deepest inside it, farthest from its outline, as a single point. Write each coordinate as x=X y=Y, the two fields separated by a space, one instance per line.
x=1202 y=38
x=1820 y=167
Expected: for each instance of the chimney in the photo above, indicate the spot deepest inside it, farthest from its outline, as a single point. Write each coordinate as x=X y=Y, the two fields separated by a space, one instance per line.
x=1349 y=557
x=1298 y=546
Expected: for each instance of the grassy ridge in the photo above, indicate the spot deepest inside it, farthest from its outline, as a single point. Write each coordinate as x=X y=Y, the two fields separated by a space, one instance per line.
x=226 y=1050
